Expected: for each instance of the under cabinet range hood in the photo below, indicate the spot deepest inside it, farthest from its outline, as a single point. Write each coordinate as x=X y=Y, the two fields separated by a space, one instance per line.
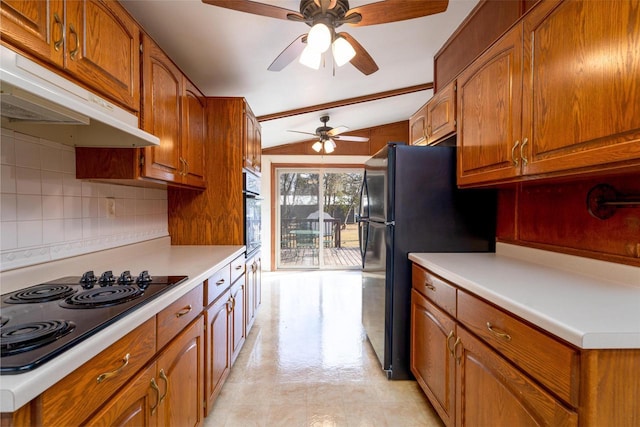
x=36 y=101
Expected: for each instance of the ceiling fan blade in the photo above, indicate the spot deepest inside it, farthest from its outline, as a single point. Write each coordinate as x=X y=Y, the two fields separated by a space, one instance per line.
x=351 y=138
x=305 y=133
x=396 y=10
x=362 y=61
x=337 y=130
x=257 y=8
x=290 y=53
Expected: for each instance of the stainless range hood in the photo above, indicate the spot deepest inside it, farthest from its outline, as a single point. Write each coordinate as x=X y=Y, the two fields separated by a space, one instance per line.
x=35 y=101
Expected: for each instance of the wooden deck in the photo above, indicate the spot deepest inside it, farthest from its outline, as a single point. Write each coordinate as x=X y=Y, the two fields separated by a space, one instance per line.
x=309 y=258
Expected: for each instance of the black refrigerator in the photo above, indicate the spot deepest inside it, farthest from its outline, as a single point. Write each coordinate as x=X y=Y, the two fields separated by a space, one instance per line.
x=409 y=202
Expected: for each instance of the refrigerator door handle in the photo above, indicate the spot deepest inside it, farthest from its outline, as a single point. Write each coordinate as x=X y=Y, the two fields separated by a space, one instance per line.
x=363 y=241
x=361 y=218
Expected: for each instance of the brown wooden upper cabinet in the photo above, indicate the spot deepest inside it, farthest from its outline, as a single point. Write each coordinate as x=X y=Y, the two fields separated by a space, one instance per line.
x=71 y=36
x=174 y=111
x=559 y=93
x=436 y=119
x=252 y=145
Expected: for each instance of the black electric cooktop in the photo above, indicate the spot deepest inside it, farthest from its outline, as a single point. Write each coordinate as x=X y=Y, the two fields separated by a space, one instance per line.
x=40 y=322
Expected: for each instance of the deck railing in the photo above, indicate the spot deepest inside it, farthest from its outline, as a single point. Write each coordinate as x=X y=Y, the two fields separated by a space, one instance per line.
x=297 y=232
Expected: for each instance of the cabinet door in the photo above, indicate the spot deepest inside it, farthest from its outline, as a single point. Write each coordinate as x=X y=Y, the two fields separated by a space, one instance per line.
x=491 y=392
x=432 y=337
x=102 y=49
x=257 y=147
x=441 y=113
x=162 y=96
x=582 y=85
x=237 y=318
x=489 y=103
x=218 y=360
x=180 y=378
x=250 y=309
x=258 y=281
x=249 y=135
x=35 y=27
x=193 y=142
x=133 y=406
x=418 y=127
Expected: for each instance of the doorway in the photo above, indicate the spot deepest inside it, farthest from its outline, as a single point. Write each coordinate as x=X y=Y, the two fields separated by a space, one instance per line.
x=315 y=218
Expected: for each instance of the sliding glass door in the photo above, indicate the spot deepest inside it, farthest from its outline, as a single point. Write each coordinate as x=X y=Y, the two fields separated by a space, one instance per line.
x=316 y=218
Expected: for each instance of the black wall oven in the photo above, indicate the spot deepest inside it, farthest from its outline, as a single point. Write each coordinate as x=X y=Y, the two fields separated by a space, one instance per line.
x=252 y=213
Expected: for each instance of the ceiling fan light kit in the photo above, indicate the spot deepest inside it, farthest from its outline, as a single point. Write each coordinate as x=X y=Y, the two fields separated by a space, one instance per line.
x=310 y=58
x=343 y=52
x=324 y=16
x=317 y=146
x=319 y=38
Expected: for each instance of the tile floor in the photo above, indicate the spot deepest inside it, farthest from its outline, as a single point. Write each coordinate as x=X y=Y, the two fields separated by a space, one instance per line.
x=307 y=362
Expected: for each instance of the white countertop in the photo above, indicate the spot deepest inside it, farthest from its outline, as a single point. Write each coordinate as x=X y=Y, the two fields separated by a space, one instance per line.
x=590 y=304
x=157 y=256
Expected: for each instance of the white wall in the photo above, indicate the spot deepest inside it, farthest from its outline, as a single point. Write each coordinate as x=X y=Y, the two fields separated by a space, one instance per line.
x=47 y=214
x=267 y=161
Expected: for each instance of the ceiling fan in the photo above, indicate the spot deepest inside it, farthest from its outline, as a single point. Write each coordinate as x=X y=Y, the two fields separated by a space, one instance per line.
x=326 y=136
x=324 y=17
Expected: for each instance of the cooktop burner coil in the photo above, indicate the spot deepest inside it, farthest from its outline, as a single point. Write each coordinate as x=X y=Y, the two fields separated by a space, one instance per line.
x=102 y=297
x=41 y=293
x=28 y=336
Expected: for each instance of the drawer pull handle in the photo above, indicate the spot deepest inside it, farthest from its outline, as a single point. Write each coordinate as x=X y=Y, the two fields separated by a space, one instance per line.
x=430 y=286
x=58 y=43
x=525 y=161
x=184 y=311
x=455 y=352
x=154 y=385
x=498 y=333
x=449 y=343
x=220 y=282
x=73 y=53
x=513 y=154
x=166 y=389
x=125 y=362
x=239 y=267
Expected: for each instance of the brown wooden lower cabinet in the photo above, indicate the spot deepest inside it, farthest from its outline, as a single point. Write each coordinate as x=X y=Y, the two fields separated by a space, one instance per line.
x=479 y=365
x=253 y=280
x=168 y=371
x=432 y=362
x=218 y=346
x=238 y=330
x=492 y=392
x=180 y=377
x=168 y=392
x=133 y=406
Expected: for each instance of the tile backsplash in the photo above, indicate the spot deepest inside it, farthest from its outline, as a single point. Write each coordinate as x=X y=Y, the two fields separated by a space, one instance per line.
x=47 y=214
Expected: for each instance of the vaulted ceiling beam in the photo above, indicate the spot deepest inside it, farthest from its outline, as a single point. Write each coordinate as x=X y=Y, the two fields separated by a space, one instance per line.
x=346 y=102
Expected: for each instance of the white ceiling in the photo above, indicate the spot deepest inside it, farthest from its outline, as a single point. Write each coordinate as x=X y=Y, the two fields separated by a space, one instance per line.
x=226 y=53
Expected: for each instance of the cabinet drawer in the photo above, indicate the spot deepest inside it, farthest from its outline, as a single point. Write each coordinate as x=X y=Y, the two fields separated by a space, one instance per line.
x=549 y=361
x=94 y=382
x=434 y=288
x=178 y=315
x=237 y=268
x=217 y=284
